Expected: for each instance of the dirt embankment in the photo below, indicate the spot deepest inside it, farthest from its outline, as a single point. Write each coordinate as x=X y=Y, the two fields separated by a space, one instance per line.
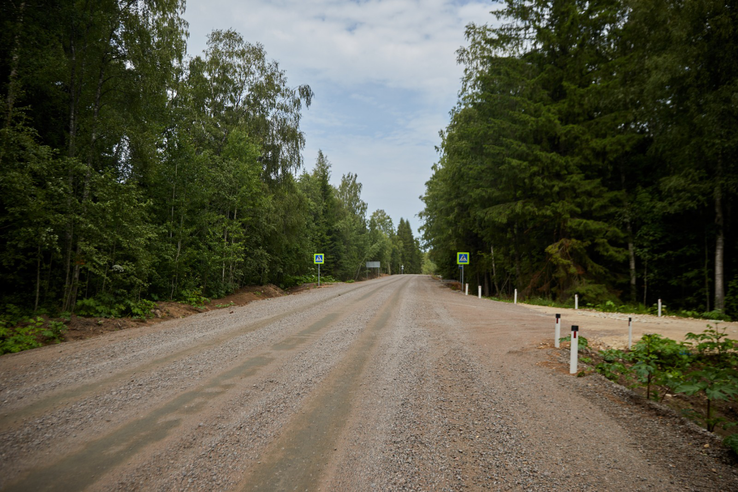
x=80 y=328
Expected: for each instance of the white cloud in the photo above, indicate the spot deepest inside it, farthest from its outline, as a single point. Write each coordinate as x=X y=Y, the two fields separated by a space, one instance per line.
x=408 y=44
x=384 y=73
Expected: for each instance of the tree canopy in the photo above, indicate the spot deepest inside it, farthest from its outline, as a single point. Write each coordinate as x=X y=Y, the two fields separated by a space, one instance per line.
x=131 y=171
x=592 y=152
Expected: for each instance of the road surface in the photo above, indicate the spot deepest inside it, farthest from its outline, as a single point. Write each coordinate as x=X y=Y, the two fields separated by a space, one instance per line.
x=391 y=384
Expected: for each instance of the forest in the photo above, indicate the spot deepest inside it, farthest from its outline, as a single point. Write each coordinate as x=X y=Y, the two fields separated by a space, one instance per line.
x=593 y=151
x=132 y=172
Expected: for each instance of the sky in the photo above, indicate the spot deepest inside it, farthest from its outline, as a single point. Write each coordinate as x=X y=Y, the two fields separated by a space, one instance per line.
x=384 y=74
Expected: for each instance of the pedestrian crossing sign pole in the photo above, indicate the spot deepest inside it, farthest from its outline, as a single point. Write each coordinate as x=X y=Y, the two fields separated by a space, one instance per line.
x=319 y=259
x=461 y=260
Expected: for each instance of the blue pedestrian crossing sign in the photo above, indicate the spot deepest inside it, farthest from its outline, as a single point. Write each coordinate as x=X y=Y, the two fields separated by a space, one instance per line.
x=462 y=258
x=319 y=258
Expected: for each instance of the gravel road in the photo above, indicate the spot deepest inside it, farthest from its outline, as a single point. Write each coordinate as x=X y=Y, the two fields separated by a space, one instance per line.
x=392 y=384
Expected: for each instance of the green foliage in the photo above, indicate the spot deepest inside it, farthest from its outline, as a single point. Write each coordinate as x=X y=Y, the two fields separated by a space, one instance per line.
x=716 y=384
x=140 y=309
x=585 y=155
x=131 y=171
x=663 y=365
x=194 y=298
x=54 y=331
x=583 y=344
x=732 y=442
x=658 y=361
x=20 y=338
x=28 y=334
x=613 y=365
x=714 y=343
x=428 y=267
x=108 y=306
x=291 y=281
x=716 y=315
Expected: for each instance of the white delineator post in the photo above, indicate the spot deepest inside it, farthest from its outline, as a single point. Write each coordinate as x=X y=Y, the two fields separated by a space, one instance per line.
x=659 y=308
x=576 y=301
x=466 y=290
x=557 y=331
x=574 y=349
x=630 y=333
x=479 y=290
x=515 y=300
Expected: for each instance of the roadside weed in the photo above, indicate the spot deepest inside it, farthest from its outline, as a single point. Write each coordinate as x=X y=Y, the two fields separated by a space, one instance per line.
x=705 y=365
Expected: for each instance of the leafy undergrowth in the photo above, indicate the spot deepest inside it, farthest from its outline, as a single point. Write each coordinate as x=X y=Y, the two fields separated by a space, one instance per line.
x=612 y=307
x=30 y=333
x=96 y=316
x=606 y=306
x=293 y=281
x=697 y=378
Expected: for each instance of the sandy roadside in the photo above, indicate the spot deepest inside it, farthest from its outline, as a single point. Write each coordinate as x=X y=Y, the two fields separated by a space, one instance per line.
x=612 y=328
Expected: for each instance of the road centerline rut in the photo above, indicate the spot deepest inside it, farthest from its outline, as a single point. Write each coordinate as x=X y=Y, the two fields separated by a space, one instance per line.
x=297 y=459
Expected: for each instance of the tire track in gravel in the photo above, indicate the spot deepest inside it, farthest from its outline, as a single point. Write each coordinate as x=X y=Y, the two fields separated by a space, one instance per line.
x=449 y=431
x=217 y=456
x=84 y=466
x=75 y=393
x=300 y=458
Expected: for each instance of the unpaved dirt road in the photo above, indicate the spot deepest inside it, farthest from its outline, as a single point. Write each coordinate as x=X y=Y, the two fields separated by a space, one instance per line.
x=391 y=384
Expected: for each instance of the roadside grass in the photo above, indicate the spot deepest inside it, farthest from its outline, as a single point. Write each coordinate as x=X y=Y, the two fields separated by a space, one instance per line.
x=22 y=330
x=697 y=378
x=607 y=306
x=612 y=307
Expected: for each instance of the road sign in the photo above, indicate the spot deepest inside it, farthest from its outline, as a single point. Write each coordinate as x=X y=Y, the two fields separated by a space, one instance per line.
x=372 y=264
x=319 y=258
x=462 y=258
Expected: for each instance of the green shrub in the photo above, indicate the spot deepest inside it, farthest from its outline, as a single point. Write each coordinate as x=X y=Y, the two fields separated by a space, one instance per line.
x=106 y=306
x=732 y=442
x=30 y=333
x=583 y=343
x=714 y=343
x=140 y=309
x=194 y=298
x=716 y=315
x=291 y=280
x=612 y=366
x=717 y=384
x=652 y=356
x=661 y=364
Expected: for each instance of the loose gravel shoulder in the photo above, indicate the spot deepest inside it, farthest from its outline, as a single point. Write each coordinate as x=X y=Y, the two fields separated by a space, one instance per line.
x=391 y=384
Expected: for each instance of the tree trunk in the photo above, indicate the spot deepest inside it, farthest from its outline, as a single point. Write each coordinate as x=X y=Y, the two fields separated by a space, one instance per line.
x=517 y=257
x=38 y=278
x=645 y=281
x=719 y=250
x=631 y=245
x=88 y=176
x=494 y=271
x=632 y=262
x=707 y=277
x=71 y=150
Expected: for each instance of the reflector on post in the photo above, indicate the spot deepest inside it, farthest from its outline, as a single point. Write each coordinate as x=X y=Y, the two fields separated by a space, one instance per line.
x=574 y=349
